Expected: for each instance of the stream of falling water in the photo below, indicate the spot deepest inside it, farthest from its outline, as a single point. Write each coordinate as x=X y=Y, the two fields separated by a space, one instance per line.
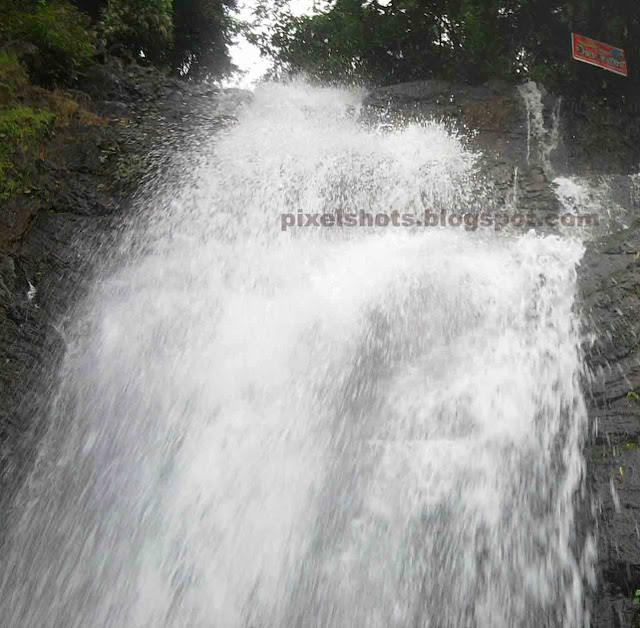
x=318 y=427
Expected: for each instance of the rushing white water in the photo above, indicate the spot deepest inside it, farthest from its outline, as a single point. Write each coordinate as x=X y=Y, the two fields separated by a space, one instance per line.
x=593 y=196
x=336 y=427
x=545 y=140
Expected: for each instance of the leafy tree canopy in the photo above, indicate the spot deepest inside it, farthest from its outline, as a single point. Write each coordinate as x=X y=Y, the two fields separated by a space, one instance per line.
x=190 y=36
x=387 y=41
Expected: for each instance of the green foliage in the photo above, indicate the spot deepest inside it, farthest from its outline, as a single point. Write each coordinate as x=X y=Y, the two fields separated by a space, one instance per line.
x=401 y=40
x=470 y=40
x=191 y=37
x=57 y=29
x=12 y=72
x=13 y=75
x=24 y=125
x=21 y=130
x=135 y=26
x=187 y=37
x=203 y=31
x=93 y=8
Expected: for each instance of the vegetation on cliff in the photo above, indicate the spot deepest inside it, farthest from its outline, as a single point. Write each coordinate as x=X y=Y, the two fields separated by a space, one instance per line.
x=50 y=43
x=391 y=41
x=190 y=38
x=29 y=114
x=386 y=42
x=47 y=45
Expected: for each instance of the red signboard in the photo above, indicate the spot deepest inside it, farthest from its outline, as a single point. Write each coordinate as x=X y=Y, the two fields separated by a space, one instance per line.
x=596 y=53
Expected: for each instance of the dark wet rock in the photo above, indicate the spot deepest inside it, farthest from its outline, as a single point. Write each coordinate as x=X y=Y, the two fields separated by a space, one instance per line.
x=103 y=83
x=7 y=276
x=610 y=286
x=83 y=158
x=598 y=139
x=113 y=108
x=80 y=197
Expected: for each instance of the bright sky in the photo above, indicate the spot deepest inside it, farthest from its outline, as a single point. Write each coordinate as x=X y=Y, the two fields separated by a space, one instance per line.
x=246 y=56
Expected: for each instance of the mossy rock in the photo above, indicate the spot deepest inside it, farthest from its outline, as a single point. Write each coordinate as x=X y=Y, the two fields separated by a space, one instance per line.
x=7 y=94
x=12 y=72
x=21 y=132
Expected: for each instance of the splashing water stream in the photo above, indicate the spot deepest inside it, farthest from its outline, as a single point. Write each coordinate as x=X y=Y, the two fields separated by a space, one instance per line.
x=337 y=427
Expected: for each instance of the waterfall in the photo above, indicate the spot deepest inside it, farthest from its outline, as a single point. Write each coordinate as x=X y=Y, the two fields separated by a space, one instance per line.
x=367 y=427
x=546 y=139
x=594 y=196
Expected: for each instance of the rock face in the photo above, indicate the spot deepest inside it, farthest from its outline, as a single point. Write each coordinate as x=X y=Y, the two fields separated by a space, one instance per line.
x=526 y=144
x=53 y=238
x=610 y=286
